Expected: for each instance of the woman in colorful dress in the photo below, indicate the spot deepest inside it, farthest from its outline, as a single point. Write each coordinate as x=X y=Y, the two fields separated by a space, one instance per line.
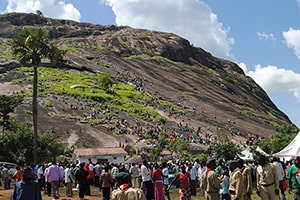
x=184 y=184
x=158 y=183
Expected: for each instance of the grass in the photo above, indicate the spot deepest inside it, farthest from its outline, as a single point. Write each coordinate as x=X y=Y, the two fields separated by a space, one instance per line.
x=4 y=195
x=123 y=96
x=175 y=195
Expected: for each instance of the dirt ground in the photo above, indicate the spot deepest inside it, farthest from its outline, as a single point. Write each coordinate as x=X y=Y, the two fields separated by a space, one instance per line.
x=96 y=195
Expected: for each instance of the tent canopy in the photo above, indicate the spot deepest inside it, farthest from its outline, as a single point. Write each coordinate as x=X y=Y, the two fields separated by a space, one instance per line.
x=248 y=155
x=292 y=149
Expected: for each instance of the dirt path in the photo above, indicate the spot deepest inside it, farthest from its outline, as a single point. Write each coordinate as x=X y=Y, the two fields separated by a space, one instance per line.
x=96 y=195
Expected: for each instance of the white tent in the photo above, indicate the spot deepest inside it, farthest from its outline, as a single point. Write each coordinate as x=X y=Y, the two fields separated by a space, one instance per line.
x=292 y=149
x=247 y=155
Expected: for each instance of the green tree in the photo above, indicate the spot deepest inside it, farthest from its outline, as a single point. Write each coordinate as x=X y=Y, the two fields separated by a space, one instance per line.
x=178 y=146
x=202 y=157
x=20 y=136
x=49 y=147
x=38 y=12
x=30 y=45
x=288 y=129
x=277 y=143
x=106 y=81
x=154 y=153
x=7 y=105
x=227 y=151
x=162 y=140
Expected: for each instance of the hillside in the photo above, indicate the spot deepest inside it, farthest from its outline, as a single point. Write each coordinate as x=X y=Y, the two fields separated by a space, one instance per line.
x=183 y=84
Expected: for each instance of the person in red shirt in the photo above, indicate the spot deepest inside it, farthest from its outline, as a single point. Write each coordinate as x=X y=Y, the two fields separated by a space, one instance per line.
x=184 y=184
x=106 y=182
x=17 y=176
x=158 y=183
x=90 y=178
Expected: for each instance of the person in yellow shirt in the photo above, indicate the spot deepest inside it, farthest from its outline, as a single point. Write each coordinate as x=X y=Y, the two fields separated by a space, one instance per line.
x=247 y=179
x=236 y=182
x=125 y=191
x=267 y=181
x=210 y=182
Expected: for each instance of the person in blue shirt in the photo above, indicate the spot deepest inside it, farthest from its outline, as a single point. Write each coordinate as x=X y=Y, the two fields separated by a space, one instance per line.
x=26 y=188
x=225 y=186
x=166 y=182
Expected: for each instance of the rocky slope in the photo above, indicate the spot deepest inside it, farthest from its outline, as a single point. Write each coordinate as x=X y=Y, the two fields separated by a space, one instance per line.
x=212 y=93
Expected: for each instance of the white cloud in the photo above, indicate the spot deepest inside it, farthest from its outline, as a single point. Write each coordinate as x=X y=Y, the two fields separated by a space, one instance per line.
x=265 y=36
x=292 y=40
x=49 y=8
x=243 y=66
x=191 y=19
x=273 y=79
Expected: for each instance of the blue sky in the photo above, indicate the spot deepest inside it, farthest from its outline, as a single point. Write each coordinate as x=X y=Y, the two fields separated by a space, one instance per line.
x=262 y=37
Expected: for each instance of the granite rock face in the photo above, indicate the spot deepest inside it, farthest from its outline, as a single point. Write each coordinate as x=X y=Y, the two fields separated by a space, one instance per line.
x=214 y=93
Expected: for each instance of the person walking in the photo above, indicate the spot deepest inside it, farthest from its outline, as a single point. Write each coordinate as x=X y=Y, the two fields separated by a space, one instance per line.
x=17 y=176
x=184 y=184
x=280 y=173
x=114 y=172
x=267 y=181
x=105 y=183
x=81 y=179
x=5 y=177
x=90 y=178
x=193 y=179
x=68 y=180
x=147 y=182
x=97 y=170
x=41 y=176
x=166 y=181
x=47 y=181
x=26 y=188
x=157 y=176
x=54 y=176
x=133 y=171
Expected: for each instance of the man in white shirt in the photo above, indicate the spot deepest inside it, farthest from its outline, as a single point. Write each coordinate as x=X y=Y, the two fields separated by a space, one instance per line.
x=133 y=174
x=146 y=178
x=5 y=175
x=280 y=173
x=114 y=172
x=193 y=179
x=68 y=181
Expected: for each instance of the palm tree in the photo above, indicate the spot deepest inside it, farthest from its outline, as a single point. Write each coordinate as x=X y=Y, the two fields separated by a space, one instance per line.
x=30 y=45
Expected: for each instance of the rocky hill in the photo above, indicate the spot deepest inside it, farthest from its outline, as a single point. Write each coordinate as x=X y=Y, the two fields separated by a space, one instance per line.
x=198 y=90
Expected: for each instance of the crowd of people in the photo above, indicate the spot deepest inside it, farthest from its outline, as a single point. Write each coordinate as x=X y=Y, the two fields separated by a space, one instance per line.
x=215 y=179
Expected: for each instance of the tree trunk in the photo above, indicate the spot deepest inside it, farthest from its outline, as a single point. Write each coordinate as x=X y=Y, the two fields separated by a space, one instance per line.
x=35 y=112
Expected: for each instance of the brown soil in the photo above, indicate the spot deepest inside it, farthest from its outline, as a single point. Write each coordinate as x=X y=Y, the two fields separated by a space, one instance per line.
x=96 y=195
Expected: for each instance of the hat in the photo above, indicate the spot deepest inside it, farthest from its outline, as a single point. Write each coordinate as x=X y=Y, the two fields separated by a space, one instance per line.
x=122 y=178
